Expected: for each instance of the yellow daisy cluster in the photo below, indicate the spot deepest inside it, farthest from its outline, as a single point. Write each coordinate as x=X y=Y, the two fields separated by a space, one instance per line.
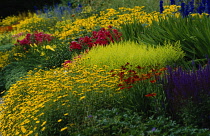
x=10 y=20
x=35 y=23
x=109 y=17
x=46 y=98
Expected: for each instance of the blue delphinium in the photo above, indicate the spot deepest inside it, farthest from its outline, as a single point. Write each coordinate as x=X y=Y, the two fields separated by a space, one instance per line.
x=161 y=6
x=36 y=10
x=191 y=6
x=183 y=9
x=208 y=6
x=188 y=8
x=172 y=2
x=79 y=8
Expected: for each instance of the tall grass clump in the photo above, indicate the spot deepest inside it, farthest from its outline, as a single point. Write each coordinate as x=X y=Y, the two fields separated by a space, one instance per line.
x=118 y=54
x=192 y=32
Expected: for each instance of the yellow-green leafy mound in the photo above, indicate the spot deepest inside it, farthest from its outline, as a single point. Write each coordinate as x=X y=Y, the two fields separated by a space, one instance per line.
x=118 y=54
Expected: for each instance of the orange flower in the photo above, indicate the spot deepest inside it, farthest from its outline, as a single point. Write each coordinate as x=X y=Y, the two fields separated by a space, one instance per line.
x=151 y=95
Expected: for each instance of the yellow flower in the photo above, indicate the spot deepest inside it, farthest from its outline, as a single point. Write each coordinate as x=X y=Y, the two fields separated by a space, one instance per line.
x=42 y=54
x=23 y=129
x=83 y=97
x=43 y=123
x=50 y=48
x=64 y=128
x=43 y=128
x=65 y=114
x=30 y=132
x=59 y=120
x=37 y=121
x=17 y=133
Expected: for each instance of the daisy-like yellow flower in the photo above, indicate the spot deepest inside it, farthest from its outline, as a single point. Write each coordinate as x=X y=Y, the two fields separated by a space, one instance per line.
x=30 y=132
x=43 y=123
x=37 y=121
x=43 y=128
x=83 y=97
x=17 y=133
x=23 y=129
x=50 y=48
x=65 y=114
x=62 y=129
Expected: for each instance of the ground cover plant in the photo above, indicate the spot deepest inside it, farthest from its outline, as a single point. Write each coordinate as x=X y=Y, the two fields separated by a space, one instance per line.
x=80 y=68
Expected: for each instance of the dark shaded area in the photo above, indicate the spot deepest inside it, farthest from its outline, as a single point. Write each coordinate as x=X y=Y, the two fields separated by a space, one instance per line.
x=14 y=7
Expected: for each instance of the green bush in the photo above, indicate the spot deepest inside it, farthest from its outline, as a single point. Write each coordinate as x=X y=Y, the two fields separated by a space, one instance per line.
x=6 y=47
x=100 y=5
x=118 y=54
x=13 y=71
x=116 y=122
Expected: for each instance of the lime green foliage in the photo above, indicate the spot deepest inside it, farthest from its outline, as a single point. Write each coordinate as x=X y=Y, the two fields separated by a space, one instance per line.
x=118 y=54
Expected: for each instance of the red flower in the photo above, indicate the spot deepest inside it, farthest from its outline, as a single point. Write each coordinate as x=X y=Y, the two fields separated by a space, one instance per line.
x=127 y=64
x=157 y=74
x=122 y=88
x=151 y=95
x=129 y=87
x=153 y=81
x=112 y=70
x=138 y=67
x=75 y=45
x=120 y=85
x=66 y=62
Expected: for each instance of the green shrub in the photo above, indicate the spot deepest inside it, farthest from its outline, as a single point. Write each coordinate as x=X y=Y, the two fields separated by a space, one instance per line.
x=13 y=71
x=118 y=54
x=6 y=47
x=116 y=122
x=100 y=5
